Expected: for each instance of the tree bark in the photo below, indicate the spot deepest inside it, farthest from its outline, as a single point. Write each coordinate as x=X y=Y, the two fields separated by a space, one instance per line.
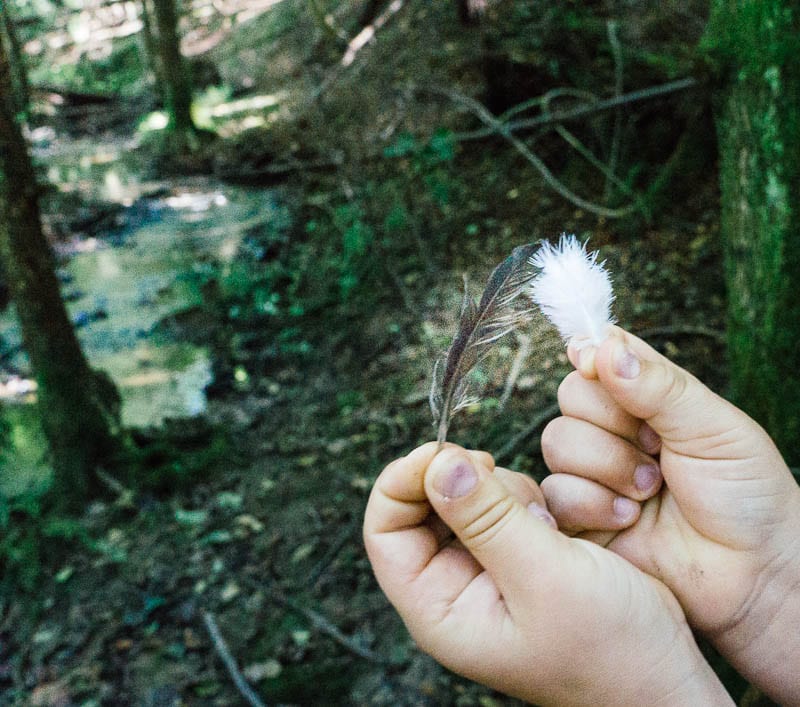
x=177 y=86
x=755 y=44
x=151 y=47
x=19 y=73
x=78 y=407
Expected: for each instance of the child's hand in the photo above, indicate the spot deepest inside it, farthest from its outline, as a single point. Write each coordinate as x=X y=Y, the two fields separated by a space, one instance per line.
x=724 y=531
x=513 y=603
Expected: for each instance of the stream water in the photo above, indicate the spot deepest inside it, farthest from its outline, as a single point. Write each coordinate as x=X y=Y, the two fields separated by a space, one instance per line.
x=119 y=287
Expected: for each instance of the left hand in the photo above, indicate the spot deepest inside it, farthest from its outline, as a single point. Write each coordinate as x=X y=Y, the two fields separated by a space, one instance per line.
x=517 y=605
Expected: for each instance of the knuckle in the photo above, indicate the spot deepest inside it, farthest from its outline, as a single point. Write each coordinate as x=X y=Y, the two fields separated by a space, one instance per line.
x=490 y=522
x=675 y=387
x=483 y=458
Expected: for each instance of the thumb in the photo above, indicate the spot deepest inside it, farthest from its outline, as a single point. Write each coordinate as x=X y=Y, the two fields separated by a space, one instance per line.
x=511 y=542
x=688 y=416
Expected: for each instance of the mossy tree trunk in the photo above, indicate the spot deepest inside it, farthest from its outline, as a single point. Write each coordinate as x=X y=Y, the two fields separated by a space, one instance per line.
x=151 y=47
x=755 y=44
x=79 y=408
x=175 y=71
x=19 y=73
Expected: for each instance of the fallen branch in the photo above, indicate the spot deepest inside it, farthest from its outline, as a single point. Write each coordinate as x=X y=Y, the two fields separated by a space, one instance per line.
x=230 y=662
x=329 y=629
x=590 y=157
x=354 y=46
x=367 y=34
x=504 y=453
x=280 y=169
x=582 y=111
x=505 y=130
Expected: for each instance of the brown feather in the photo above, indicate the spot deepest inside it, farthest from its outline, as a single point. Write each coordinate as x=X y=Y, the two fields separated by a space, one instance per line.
x=500 y=311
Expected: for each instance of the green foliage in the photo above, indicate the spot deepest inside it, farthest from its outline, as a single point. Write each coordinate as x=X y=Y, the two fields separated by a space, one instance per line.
x=121 y=73
x=165 y=460
x=357 y=237
x=430 y=161
x=33 y=538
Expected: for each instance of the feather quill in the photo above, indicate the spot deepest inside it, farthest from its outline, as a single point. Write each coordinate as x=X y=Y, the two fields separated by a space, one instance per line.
x=501 y=310
x=573 y=291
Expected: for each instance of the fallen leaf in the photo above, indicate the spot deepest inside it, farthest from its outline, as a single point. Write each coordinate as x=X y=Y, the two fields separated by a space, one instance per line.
x=250 y=522
x=123 y=644
x=267 y=670
x=302 y=552
x=185 y=517
x=51 y=694
x=230 y=591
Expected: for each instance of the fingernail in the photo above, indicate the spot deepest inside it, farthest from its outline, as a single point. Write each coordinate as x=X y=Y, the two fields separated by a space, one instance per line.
x=625 y=509
x=646 y=476
x=586 y=358
x=626 y=363
x=543 y=514
x=649 y=438
x=456 y=480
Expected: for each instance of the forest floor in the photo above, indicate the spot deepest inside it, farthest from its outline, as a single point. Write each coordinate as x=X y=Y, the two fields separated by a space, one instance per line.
x=322 y=334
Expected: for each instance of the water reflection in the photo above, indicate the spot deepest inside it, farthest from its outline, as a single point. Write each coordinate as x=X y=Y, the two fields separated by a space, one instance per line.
x=118 y=289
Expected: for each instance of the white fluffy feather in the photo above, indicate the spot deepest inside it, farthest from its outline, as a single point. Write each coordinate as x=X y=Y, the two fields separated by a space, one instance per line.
x=573 y=291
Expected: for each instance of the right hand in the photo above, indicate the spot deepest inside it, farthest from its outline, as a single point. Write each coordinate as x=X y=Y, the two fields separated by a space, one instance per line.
x=723 y=532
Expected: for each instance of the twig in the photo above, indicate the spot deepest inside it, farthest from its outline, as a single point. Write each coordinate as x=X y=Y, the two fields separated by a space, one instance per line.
x=230 y=662
x=125 y=496
x=616 y=51
x=590 y=157
x=504 y=130
x=329 y=629
x=344 y=538
x=687 y=330
x=548 y=413
x=546 y=99
x=354 y=46
x=523 y=352
x=643 y=94
x=543 y=102
x=367 y=34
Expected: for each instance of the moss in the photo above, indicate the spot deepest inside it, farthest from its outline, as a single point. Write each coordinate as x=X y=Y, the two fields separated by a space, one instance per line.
x=746 y=35
x=758 y=122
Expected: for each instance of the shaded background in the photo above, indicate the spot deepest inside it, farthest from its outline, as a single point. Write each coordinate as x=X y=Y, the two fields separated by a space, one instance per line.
x=260 y=240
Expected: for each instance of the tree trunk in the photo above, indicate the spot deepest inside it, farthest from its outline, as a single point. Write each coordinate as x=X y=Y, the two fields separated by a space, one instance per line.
x=19 y=74
x=177 y=86
x=151 y=47
x=755 y=44
x=79 y=408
